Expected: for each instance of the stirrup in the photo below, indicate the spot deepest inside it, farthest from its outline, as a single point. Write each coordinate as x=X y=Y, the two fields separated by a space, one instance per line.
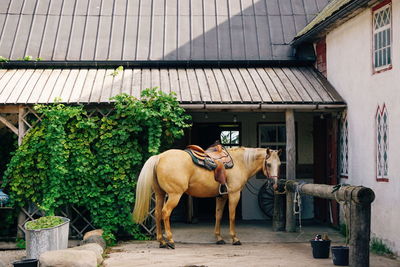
x=223 y=193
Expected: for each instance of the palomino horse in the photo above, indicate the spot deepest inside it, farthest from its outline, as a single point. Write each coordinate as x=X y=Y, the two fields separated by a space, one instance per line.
x=174 y=173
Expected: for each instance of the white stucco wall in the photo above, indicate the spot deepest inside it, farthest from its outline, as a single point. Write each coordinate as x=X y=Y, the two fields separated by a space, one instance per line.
x=349 y=69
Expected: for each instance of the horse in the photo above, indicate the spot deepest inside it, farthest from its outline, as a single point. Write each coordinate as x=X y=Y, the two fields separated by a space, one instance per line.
x=173 y=173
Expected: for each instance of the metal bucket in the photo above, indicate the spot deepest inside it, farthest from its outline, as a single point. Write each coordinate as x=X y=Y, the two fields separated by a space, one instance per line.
x=42 y=240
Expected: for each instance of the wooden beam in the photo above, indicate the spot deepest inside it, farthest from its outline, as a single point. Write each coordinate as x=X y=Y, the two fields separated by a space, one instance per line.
x=359 y=199
x=8 y=124
x=21 y=124
x=9 y=109
x=290 y=168
x=358 y=194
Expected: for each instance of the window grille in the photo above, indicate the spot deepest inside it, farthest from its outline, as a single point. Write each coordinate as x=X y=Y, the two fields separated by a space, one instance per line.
x=343 y=146
x=382 y=144
x=382 y=24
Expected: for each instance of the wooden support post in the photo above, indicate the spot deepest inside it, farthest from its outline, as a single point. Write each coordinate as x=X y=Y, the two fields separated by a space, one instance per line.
x=21 y=134
x=290 y=168
x=21 y=124
x=278 y=220
x=360 y=228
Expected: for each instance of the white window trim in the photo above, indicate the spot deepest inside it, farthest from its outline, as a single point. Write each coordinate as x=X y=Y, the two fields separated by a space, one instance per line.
x=375 y=31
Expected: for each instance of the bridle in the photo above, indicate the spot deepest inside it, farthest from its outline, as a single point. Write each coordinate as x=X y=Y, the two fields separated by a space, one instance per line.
x=267 y=172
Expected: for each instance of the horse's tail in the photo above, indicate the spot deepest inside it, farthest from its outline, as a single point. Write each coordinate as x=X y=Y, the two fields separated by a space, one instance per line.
x=143 y=190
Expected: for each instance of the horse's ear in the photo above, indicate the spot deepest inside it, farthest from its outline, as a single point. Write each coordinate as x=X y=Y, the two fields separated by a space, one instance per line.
x=279 y=152
x=268 y=151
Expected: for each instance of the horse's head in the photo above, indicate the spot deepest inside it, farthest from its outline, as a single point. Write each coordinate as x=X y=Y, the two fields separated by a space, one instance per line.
x=272 y=165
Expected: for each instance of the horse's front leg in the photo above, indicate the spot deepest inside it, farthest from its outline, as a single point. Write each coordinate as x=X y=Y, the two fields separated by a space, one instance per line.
x=171 y=203
x=219 y=210
x=233 y=201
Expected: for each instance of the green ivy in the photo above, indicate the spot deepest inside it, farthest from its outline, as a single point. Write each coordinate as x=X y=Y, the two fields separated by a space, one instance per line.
x=92 y=161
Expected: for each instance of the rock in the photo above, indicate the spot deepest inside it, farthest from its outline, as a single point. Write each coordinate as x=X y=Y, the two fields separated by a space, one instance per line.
x=94 y=239
x=93 y=233
x=96 y=248
x=68 y=258
x=2 y=263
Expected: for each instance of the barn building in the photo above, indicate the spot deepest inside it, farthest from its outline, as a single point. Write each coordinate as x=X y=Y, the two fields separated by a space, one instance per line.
x=357 y=48
x=263 y=73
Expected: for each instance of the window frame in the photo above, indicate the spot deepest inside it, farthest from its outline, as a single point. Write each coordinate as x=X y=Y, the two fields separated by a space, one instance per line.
x=344 y=149
x=380 y=112
x=230 y=128
x=374 y=10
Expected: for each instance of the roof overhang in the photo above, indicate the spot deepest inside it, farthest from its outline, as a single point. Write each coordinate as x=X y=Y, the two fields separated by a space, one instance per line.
x=256 y=89
x=333 y=15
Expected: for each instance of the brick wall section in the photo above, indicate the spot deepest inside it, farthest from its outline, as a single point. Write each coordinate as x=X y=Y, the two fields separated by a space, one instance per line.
x=320 y=51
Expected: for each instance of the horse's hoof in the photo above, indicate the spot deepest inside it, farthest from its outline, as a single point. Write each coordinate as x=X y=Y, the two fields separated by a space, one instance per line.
x=171 y=245
x=236 y=243
x=163 y=245
x=221 y=242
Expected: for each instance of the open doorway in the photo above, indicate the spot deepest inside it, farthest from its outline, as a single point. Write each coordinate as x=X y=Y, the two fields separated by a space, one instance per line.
x=325 y=166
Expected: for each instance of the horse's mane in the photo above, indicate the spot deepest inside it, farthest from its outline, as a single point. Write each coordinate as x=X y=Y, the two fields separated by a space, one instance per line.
x=249 y=154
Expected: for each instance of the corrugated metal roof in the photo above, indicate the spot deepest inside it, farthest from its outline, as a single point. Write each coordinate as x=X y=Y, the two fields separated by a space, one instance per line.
x=294 y=85
x=95 y=30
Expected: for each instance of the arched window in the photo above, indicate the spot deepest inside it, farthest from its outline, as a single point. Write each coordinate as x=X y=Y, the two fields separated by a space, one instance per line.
x=382 y=144
x=343 y=146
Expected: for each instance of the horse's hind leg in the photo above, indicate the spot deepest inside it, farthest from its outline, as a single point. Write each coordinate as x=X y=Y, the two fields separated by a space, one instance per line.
x=219 y=210
x=160 y=198
x=171 y=203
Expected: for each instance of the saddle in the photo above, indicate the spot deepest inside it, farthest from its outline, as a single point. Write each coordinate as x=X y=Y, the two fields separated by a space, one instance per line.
x=215 y=158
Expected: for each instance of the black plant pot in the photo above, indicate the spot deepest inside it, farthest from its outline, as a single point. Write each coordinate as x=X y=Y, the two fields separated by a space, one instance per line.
x=320 y=249
x=26 y=263
x=340 y=255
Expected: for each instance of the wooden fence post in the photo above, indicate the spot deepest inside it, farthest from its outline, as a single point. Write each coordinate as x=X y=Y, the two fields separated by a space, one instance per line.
x=360 y=228
x=278 y=220
x=360 y=199
x=290 y=168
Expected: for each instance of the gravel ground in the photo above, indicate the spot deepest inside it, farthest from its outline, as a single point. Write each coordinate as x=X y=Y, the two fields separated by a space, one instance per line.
x=9 y=256
x=206 y=255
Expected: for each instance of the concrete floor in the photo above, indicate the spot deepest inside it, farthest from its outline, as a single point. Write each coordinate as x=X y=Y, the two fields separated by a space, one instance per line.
x=250 y=231
x=261 y=246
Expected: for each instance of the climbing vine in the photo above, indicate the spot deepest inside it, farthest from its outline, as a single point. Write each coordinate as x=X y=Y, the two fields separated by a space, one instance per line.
x=92 y=161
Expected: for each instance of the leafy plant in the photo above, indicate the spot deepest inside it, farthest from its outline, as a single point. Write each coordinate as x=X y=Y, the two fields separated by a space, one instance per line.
x=4 y=59
x=117 y=71
x=44 y=222
x=93 y=161
x=377 y=246
x=20 y=243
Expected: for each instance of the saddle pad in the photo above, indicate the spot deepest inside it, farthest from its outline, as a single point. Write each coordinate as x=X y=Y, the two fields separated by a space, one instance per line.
x=205 y=162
